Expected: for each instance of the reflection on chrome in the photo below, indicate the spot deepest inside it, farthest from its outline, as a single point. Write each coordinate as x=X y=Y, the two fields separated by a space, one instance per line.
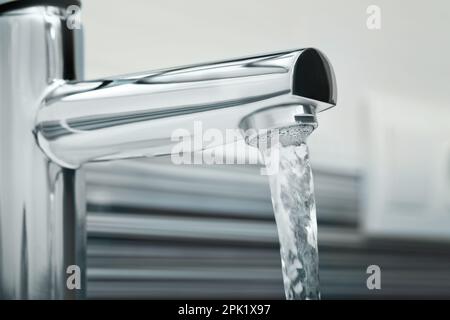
x=51 y=124
x=134 y=116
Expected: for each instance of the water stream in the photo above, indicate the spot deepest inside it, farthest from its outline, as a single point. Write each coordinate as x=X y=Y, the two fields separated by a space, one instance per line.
x=295 y=214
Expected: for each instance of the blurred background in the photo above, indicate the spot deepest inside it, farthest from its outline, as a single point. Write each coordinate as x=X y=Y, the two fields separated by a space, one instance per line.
x=381 y=158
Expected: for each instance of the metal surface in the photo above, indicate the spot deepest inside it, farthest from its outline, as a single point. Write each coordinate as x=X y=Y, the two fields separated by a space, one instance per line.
x=135 y=116
x=41 y=217
x=8 y=5
x=42 y=223
x=219 y=240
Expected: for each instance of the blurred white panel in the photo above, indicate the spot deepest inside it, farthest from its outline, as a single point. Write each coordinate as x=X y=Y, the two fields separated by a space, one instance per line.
x=409 y=180
x=407 y=185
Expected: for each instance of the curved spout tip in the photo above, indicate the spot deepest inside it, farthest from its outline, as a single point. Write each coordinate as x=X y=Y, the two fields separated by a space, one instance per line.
x=313 y=78
x=313 y=86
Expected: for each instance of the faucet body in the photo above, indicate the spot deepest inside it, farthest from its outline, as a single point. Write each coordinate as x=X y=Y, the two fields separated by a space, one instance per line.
x=41 y=204
x=51 y=123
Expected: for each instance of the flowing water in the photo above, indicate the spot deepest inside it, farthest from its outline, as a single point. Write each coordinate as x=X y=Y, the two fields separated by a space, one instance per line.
x=295 y=214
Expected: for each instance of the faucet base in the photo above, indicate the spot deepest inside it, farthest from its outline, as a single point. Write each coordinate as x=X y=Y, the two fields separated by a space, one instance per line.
x=41 y=204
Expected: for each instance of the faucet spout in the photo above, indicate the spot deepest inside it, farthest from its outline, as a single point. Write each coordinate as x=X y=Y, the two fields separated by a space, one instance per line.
x=135 y=115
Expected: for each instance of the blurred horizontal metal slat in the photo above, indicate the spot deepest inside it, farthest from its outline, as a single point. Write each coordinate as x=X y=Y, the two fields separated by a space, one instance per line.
x=156 y=230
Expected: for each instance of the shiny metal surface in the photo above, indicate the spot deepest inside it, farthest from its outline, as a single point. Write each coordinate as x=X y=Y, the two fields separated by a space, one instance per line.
x=41 y=217
x=17 y=4
x=158 y=230
x=51 y=125
x=135 y=116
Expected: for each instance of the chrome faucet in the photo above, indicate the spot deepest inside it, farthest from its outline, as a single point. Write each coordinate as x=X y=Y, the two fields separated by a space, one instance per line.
x=51 y=123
